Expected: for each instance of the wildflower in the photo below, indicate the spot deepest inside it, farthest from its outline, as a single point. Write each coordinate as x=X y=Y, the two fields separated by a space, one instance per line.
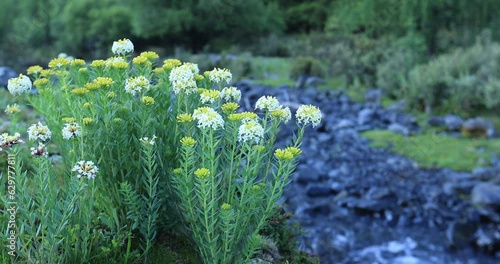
x=40 y=151
x=39 y=131
x=269 y=103
x=202 y=173
x=119 y=65
x=283 y=154
x=122 y=47
x=41 y=82
x=12 y=109
x=148 y=100
x=141 y=60
x=199 y=78
x=259 y=148
x=220 y=75
x=184 y=118
x=250 y=131
x=159 y=70
x=7 y=140
x=188 y=141
x=113 y=60
x=230 y=93
x=87 y=121
x=182 y=79
x=77 y=63
x=83 y=70
x=295 y=151
x=209 y=96
x=243 y=116
x=178 y=171
x=47 y=73
x=59 y=62
x=283 y=114
x=111 y=95
x=208 y=117
x=19 y=85
x=98 y=63
x=308 y=114
x=225 y=206
x=137 y=84
x=150 y=55
x=171 y=63
x=71 y=130
x=147 y=141
x=85 y=169
x=86 y=105
x=117 y=121
x=193 y=67
x=229 y=108
x=33 y=70
x=80 y=91
x=256 y=188
x=68 y=119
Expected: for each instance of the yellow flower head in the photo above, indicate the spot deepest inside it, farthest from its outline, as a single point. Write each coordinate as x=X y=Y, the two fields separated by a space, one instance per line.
x=59 y=62
x=256 y=188
x=12 y=109
x=141 y=60
x=47 y=73
x=295 y=151
x=199 y=77
x=244 y=116
x=148 y=100
x=178 y=171
x=171 y=63
x=202 y=173
x=86 y=105
x=80 y=91
x=159 y=70
x=150 y=55
x=36 y=69
x=98 y=63
x=282 y=114
x=119 y=65
x=226 y=207
x=184 y=118
x=69 y=119
x=229 y=108
x=283 y=154
x=209 y=96
x=111 y=95
x=117 y=121
x=77 y=62
x=41 y=82
x=99 y=82
x=188 y=141
x=83 y=70
x=87 y=121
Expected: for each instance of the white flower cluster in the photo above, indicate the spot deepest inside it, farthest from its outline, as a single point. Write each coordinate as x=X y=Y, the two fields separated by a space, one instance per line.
x=308 y=114
x=183 y=78
x=208 y=117
x=111 y=60
x=39 y=131
x=40 y=151
x=250 y=131
x=19 y=85
x=122 y=47
x=147 y=141
x=71 y=130
x=283 y=114
x=209 y=96
x=230 y=93
x=269 y=103
x=136 y=85
x=7 y=140
x=85 y=169
x=220 y=75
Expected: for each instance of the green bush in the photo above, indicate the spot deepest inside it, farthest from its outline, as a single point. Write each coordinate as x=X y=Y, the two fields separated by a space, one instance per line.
x=309 y=66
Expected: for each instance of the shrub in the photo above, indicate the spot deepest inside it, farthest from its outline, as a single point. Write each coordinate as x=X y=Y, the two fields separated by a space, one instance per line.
x=309 y=66
x=148 y=149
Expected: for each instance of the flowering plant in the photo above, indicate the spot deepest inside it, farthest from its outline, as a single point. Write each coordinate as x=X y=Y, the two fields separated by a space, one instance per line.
x=210 y=171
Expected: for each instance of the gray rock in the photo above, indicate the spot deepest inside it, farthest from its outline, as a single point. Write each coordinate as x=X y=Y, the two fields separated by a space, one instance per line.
x=373 y=96
x=453 y=122
x=479 y=126
x=319 y=191
x=365 y=116
x=435 y=121
x=487 y=173
x=486 y=194
x=5 y=74
x=343 y=124
x=400 y=129
x=313 y=81
x=398 y=106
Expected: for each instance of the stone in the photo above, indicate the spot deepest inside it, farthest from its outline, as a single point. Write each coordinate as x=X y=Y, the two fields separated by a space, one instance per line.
x=398 y=128
x=5 y=74
x=435 y=121
x=453 y=122
x=319 y=191
x=486 y=194
x=343 y=124
x=398 y=106
x=365 y=116
x=373 y=96
x=487 y=173
x=478 y=127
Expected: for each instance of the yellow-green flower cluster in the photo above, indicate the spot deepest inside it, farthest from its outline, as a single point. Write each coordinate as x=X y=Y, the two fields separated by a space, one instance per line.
x=77 y=62
x=208 y=118
x=68 y=119
x=287 y=154
x=47 y=73
x=41 y=82
x=35 y=69
x=250 y=131
x=116 y=62
x=219 y=75
x=19 y=85
x=171 y=63
x=59 y=62
x=87 y=121
x=150 y=55
x=202 y=173
x=136 y=85
x=80 y=91
x=98 y=63
x=122 y=47
x=12 y=109
x=225 y=206
x=243 y=116
x=141 y=60
x=148 y=100
x=308 y=114
x=230 y=93
x=99 y=82
x=283 y=114
x=184 y=118
x=209 y=96
x=188 y=141
x=229 y=108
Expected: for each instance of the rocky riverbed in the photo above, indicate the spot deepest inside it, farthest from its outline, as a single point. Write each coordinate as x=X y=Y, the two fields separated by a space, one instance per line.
x=364 y=205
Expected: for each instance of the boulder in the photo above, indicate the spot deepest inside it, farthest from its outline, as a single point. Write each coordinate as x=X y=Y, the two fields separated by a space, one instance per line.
x=5 y=74
x=486 y=194
x=435 y=121
x=398 y=128
x=365 y=116
x=478 y=127
x=453 y=122
x=373 y=96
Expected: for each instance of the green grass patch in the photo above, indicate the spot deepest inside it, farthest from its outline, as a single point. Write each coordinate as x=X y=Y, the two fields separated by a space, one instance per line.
x=437 y=151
